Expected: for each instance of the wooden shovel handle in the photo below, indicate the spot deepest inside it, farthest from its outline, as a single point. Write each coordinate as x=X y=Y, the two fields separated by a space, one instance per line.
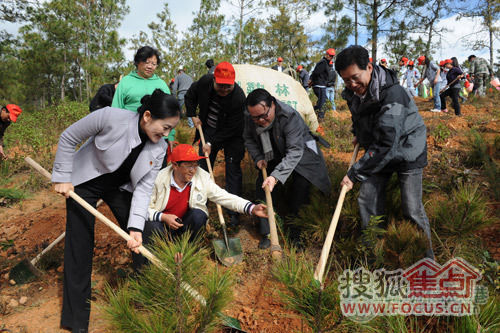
x=145 y=252
x=275 y=244
x=219 y=208
x=320 y=268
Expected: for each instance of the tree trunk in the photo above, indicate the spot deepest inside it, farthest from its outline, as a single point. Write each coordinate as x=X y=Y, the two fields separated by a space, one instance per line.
x=490 y=30
x=242 y=4
x=374 y=31
x=63 y=78
x=356 y=22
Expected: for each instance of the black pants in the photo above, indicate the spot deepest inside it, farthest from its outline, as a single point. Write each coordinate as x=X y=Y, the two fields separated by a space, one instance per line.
x=321 y=94
x=79 y=249
x=453 y=93
x=194 y=220
x=296 y=193
x=234 y=150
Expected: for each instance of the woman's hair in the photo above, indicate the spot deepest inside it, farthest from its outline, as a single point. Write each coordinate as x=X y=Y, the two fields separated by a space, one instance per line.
x=160 y=104
x=259 y=95
x=455 y=62
x=144 y=53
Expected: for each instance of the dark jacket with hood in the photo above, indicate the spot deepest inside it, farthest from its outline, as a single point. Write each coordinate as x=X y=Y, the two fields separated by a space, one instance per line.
x=388 y=126
x=319 y=76
x=295 y=145
x=230 y=120
x=103 y=97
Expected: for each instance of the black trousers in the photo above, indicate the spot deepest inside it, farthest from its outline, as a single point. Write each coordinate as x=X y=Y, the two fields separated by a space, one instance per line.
x=234 y=150
x=321 y=94
x=296 y=193
x=194 y=220
x=79 y=249
x=453 y=93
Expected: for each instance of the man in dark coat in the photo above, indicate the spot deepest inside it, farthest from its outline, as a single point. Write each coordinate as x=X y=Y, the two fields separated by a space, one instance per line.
x=319 y=78
x=103 y=97
x=8 y=114
x=278 y=139
x=221 y=104
x=303 y=76
x=386 y=123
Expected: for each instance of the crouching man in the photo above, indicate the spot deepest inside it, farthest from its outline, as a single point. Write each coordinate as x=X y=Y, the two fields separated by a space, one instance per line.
x=278 y=139
x=179 y=197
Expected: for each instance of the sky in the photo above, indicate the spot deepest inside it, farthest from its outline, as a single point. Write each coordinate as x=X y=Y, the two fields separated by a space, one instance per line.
x=142 y=12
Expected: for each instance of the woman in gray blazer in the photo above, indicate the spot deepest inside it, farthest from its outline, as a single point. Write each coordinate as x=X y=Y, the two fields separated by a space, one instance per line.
x=118 y=163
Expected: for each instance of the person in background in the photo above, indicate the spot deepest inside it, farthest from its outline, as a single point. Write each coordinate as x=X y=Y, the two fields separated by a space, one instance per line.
x=453 y=76
x=278 y=139
x=303 y=77
x=387 y=124
x=170 y=85
x=383 y=62
x=455 y=63
x=210 y=66
x=411 y=77
x=140 y=82
x=319 y=77
x=479 y=70
x=8 y=114
x=118 y=163
x=330 y=85
x=103 y=97
x=433 y=74
x=221 y=103
x=279 y=66
x=180 y=87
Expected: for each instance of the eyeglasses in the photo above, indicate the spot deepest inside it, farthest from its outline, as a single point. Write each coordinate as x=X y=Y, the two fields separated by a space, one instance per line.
x=262 y=116
x=153 y=64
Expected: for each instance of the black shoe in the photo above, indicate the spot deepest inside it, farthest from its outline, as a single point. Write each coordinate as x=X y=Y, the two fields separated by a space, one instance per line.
x=234 y=221
x=264 y=243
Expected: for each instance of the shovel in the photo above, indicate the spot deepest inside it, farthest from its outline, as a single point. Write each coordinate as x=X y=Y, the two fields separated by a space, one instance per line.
x=26 y=270
x=275 y=244
x=226 y=320
x=320 y=268
x=229 y=250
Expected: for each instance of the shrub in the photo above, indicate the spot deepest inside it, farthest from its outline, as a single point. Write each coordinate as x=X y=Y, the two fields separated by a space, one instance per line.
x=441 y=133
x=156 y=301
x=463 y=215
x=302 y=293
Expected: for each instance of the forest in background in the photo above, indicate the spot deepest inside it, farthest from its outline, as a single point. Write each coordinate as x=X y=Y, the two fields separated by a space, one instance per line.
x=66 y=49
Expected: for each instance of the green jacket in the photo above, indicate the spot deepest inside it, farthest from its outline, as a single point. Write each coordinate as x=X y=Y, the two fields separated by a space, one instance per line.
x=133 y=87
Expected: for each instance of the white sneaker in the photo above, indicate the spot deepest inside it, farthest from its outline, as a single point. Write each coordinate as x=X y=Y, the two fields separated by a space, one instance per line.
x=435 y=110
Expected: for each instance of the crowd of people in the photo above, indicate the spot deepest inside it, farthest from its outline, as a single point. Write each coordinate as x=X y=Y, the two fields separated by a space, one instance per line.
x=129 y=158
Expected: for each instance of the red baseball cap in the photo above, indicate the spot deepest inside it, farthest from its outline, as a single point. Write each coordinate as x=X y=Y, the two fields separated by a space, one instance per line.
x=421 y=60
x=448 y=61
x=371 y=59
x=184 y=152
x=224 y=73
x=411 y=63
x=441 y=63
x=383 y=60
x=280 y=59
x=330 y=52
x=299 y=67
x=14 y=111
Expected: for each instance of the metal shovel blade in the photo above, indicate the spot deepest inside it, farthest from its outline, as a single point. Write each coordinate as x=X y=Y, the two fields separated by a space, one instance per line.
x=231 y=255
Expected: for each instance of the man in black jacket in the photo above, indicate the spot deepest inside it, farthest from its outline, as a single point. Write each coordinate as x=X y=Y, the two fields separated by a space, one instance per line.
x=319 y=78
x=386 y=123
x=221 y=104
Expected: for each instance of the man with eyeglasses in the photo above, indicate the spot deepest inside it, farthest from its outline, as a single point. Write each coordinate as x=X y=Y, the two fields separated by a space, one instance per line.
x=8 y=114
x=221 y=103
x=180 y=193
x=278 y=139
x=386 y=123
